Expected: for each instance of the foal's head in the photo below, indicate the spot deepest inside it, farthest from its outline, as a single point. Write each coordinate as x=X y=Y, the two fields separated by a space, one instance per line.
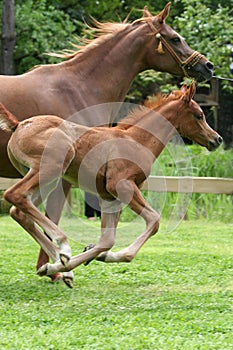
x=190 y=120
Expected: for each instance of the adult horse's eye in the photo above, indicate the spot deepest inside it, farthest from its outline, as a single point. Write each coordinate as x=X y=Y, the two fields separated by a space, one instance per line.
x=176 y=39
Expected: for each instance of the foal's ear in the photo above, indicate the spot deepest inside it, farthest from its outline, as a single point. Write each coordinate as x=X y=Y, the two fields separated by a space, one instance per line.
x=192 y=89
x=164 y=13
x=184 y=88
x=190 y=92
x=146 y=12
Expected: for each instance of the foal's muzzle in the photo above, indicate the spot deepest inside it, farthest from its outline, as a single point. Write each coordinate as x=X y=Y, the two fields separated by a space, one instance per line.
x=215 y=143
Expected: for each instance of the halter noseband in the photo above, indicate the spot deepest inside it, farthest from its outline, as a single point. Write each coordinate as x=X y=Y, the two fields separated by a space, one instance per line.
x=186 y=65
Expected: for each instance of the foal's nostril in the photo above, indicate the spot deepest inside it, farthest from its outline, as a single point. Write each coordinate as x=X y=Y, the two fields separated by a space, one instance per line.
x=219 y=140
x=209 y=65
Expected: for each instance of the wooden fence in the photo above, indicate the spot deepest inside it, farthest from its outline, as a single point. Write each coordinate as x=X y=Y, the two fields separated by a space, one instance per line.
x=184 y=184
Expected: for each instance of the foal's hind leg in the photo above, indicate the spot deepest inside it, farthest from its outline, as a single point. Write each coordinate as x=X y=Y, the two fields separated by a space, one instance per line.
x=54 y=206
x=20 y=196
x=43 y=241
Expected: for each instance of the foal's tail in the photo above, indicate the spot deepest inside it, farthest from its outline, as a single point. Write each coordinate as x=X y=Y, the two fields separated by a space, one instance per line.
x=8 y=121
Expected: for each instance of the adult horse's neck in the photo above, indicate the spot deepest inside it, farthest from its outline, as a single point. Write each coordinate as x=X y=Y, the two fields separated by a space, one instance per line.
x=108 y=68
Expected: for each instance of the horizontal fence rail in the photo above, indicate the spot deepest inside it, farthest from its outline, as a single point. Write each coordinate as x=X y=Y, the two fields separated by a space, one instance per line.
x=184 y=184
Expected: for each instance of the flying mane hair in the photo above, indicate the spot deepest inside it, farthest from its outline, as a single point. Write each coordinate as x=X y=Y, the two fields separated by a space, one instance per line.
x=99 y=32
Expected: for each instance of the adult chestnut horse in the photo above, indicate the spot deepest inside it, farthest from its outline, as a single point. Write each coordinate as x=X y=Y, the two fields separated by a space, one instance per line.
x=110 y=162
x=101 y=72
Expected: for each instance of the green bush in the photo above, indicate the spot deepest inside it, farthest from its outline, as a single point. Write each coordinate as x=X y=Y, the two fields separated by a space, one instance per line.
x=177 y=160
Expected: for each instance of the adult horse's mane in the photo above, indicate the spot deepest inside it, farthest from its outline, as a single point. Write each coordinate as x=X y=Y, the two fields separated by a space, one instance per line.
x=99 y=32
x=151 y=103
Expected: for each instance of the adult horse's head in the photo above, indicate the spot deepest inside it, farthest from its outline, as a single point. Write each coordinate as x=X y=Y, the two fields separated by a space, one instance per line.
x=171 y=53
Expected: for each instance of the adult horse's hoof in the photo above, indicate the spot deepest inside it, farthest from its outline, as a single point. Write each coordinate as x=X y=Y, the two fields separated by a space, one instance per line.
x=64 y=259
x=88 y=247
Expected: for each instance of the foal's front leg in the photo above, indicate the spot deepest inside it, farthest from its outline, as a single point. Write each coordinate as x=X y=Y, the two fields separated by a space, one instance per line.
x=138 y=204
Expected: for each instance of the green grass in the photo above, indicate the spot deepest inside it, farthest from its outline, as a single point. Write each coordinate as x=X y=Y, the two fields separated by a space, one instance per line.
x=176 y=294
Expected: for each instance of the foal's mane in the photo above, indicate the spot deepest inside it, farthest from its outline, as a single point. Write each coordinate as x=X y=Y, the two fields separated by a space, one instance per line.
x=152 y=103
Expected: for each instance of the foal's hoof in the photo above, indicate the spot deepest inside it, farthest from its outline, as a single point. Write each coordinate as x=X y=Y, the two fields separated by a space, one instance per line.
x=42 y=271
x=68 y=279
x=64 y=259
x=88 y=247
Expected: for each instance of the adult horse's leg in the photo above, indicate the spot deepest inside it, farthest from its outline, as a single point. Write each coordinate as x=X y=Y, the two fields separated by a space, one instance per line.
x=109 y=220
x=55 y=204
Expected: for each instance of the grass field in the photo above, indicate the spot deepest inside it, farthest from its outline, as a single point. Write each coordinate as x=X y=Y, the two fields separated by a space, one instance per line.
x=176 y=294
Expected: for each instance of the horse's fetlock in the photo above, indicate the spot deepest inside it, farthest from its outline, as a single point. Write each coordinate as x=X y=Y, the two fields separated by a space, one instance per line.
x=128 y=257
x=156 y=227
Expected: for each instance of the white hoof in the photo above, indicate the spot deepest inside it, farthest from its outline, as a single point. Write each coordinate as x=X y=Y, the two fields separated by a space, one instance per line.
x=43 y=270
x=64 y=259
x=68 y=278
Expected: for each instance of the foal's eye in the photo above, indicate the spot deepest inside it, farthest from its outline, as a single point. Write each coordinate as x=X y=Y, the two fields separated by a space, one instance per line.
x=176 y=40
x=199 y=116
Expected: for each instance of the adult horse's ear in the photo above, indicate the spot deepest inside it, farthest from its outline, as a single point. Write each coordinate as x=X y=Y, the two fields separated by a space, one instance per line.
x=146 y=12
x=189 y=93
x=164 y=13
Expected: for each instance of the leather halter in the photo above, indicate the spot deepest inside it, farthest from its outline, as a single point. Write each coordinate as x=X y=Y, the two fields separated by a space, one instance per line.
x=186 y=65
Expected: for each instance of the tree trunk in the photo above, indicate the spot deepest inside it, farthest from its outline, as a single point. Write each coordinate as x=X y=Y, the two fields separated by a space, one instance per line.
x=8 y=37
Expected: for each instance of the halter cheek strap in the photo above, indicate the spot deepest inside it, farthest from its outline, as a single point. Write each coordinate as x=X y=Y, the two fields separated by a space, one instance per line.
x=160 y=46
x=186 y=65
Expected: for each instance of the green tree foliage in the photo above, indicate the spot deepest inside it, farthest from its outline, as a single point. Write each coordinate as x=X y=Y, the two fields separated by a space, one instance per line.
x=40 y=28
x=209 y=30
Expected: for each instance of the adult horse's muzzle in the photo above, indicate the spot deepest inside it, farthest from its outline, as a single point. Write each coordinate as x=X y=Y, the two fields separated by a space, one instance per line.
x=215 y=143
x=202 y=71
